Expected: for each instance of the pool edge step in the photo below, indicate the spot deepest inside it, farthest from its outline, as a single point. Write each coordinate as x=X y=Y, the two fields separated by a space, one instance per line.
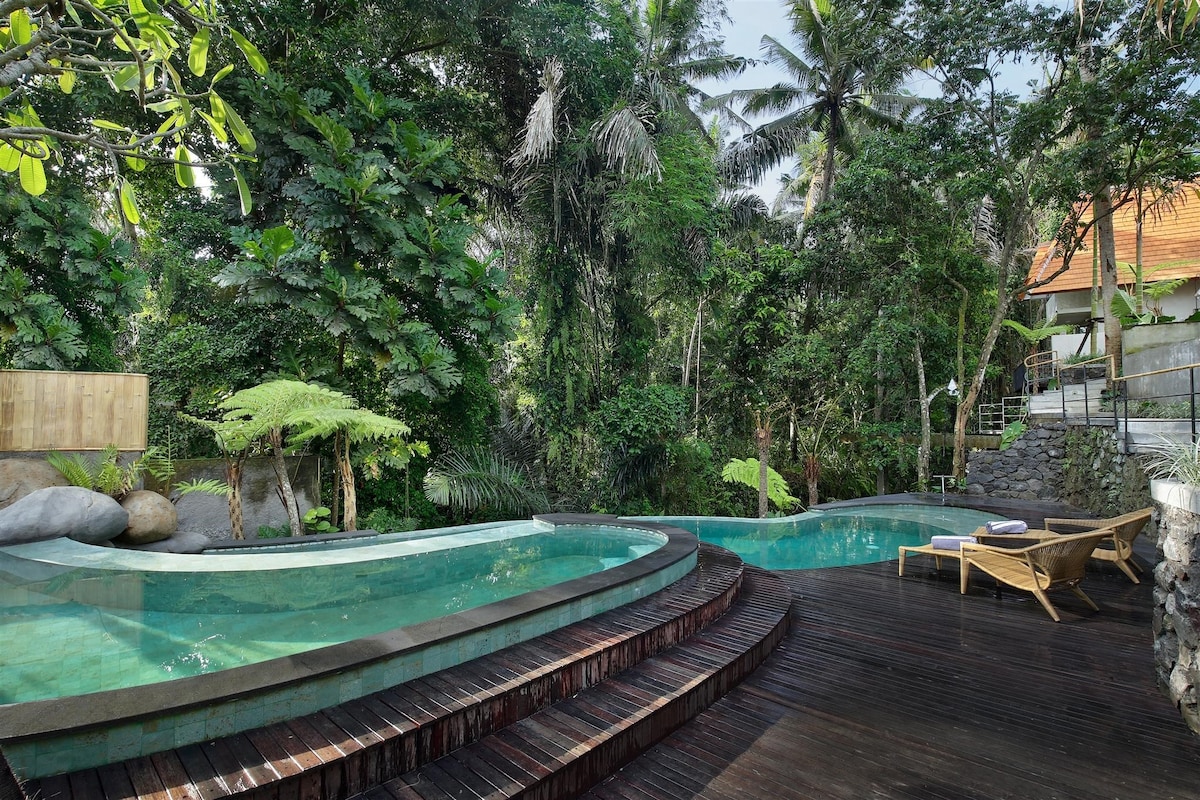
x=562 y=751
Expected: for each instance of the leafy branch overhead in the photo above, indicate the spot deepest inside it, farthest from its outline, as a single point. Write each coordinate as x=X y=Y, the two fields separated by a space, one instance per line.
x=156 y=53
x=368 y=241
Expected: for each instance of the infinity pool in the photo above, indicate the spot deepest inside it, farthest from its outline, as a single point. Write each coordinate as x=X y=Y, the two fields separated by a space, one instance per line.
x=835 y=538
x=128 y=618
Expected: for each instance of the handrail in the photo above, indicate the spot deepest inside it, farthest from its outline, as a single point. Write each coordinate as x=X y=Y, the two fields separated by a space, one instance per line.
x=1058 y=369
x=1040 y=358
x=1155 y=372
x=1108 y=358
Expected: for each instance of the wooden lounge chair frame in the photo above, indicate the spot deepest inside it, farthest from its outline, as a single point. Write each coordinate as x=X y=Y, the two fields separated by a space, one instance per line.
x=1048 y=564
x=1118 y=548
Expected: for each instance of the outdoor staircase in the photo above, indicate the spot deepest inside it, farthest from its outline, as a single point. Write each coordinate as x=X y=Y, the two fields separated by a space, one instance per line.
x=1079 y=401
x=543 y=719
x=1082 y=404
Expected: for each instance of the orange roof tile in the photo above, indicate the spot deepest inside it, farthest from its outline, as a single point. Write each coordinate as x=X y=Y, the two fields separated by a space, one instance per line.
x=1172 y=238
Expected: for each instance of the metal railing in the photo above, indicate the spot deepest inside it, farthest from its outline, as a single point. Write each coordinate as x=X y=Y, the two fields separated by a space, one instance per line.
x=1089 y=405
x=1190 y=402
x=993 y=418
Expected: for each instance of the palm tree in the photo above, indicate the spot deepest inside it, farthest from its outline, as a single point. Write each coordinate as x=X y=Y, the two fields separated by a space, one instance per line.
x=839 y=81
x=582 y=145
x=675 y=49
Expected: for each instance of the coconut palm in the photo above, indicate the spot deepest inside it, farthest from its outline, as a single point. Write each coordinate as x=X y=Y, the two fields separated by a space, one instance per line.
x=838 y=83
x=675 y=49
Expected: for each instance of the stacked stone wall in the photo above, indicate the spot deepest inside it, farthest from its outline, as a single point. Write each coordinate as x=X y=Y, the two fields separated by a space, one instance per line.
x=1031 y=468
x=1177 y=598
x=1076 y=465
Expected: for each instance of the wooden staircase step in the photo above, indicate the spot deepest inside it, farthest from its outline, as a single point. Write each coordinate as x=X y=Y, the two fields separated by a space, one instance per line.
x=563 y=749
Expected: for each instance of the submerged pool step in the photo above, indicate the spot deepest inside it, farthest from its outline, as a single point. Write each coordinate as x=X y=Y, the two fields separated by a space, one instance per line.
x=563 y=750
x=353 y=747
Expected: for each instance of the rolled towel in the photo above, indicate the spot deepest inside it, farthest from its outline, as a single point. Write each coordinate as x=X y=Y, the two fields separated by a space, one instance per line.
x=950 y=542
x=1007 y=526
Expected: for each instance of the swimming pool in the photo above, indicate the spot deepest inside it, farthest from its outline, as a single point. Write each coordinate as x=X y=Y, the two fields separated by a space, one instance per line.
x=834 y=538
x=60 y=733
x=302 y=674
x=130 y=618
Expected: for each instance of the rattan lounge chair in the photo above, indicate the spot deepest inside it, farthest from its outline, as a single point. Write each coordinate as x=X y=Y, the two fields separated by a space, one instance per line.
x=1117 y=548
x=1038 y=568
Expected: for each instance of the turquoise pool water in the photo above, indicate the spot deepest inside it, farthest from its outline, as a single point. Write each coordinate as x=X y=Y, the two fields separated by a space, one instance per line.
x=860 y=535
x=120 y=618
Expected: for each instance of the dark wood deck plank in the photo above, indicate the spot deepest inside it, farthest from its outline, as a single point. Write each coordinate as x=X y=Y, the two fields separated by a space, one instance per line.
x=902 y=688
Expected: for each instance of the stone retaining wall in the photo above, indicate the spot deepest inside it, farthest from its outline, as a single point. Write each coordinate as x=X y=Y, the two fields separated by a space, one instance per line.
x=1177 y=597
x=1030 y=469
x=1076 y=465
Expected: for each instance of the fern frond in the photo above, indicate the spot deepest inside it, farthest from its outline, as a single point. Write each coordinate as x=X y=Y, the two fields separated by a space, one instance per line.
x=476 y=477
x=78 y=470
x=203 y=486
x=156 y=462
x=745 y=472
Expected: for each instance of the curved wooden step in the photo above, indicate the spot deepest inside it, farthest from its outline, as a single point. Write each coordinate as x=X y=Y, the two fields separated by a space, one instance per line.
x=349 y=748
x=563 y=750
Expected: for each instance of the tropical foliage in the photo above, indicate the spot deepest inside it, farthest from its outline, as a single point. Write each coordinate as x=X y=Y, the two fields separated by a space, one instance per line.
x=522 y=233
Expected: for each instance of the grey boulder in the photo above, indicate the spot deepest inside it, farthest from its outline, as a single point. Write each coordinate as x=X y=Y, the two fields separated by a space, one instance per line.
x=180 y=542
x=58 y=511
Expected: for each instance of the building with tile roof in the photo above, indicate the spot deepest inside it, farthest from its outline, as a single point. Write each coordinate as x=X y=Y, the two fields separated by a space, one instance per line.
x=1170 y=249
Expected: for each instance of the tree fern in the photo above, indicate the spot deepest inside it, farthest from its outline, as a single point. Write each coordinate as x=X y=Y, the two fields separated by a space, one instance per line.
x=745 y=472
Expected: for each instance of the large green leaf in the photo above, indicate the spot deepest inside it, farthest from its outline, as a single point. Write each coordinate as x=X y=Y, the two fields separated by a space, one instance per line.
x=129 y=203
x=253 y=57
x=20 y=27
x=244 y=198
x=185 y=174
x=10 y=157
x=198 y=52
x=239 y=129
x=33 y=175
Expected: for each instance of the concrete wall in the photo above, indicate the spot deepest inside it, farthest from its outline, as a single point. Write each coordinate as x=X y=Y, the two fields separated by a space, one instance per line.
x=1152 y=347
x=261 y=505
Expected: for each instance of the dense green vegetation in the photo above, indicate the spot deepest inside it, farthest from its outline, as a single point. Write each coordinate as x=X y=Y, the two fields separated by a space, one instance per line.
x=522 y=229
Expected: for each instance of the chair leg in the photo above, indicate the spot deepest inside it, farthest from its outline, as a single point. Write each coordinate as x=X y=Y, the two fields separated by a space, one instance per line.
x=1045 y=601
x=964 y=576
x=1079 y=593
x=1124 y=565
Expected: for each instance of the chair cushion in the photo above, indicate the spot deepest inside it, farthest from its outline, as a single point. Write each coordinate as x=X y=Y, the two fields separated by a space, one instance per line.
x=950 y=542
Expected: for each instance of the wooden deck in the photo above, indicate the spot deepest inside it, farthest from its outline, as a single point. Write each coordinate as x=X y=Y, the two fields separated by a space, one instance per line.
x=892 y=687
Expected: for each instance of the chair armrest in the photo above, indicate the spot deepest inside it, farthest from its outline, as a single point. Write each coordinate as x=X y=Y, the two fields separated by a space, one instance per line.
x=1081 y=525
x=1015 y=552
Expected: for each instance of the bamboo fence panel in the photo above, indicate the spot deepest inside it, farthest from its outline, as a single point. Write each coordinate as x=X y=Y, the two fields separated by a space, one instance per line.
x=43 y=410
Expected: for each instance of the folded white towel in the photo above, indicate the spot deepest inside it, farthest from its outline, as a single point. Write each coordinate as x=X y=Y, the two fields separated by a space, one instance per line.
x=1007 y=526
x=950 y=542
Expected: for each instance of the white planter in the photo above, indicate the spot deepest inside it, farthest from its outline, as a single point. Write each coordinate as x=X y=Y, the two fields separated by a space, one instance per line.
x=1174 y=493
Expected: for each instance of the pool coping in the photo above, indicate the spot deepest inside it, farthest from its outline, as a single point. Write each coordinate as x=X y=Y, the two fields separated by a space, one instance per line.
x=77 y=714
